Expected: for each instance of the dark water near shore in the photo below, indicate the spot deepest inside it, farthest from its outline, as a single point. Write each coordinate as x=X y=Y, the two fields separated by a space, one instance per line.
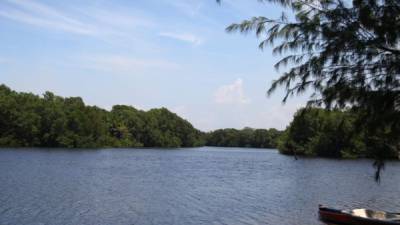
x=188 y=186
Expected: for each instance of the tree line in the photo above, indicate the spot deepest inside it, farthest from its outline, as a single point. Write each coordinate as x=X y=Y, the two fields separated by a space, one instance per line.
x=28 y=120
x=247 y=137
x=335 y=133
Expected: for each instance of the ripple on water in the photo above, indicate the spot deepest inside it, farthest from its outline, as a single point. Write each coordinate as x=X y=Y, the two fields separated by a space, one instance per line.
x=194 y=186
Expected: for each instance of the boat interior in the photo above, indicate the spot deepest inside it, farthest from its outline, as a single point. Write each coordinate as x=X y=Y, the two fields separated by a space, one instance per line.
x=378 y=215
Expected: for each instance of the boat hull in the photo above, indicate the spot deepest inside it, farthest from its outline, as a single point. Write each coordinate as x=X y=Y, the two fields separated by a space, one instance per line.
x=333 y=216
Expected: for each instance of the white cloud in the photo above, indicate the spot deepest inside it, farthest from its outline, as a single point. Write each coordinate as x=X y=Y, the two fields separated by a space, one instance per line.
x=32 y=13
x=37 y=21
x=120 y=19
x=231 y=93
x=185 y=37
x=120 y=63
x=90 y=22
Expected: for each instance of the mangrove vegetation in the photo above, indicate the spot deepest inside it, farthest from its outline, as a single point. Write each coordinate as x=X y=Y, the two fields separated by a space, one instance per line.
x=247 y=137
x=28 y=120
x=334 y=133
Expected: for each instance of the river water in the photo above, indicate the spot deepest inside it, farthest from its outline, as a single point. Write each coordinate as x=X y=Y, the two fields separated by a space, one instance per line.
x=183 y=186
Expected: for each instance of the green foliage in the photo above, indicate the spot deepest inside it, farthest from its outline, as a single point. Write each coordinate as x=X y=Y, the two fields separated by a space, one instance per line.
x=347 y=53
x=330 y=133
x=27 y=120
x=247 y=137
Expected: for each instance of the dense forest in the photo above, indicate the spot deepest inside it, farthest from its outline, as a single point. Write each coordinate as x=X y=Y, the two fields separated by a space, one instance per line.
x=334 y=133
x=247 y=137
x=28 y=120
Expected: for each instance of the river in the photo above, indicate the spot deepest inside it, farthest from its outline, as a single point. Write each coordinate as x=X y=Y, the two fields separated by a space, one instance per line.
x=183 y=187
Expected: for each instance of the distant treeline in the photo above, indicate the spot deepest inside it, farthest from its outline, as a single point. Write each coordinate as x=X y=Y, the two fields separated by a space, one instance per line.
x=28 y=120
x=247 y=137
x=339 y=134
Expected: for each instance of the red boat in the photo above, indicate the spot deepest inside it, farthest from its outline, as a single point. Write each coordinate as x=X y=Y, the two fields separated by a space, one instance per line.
x=358 y=217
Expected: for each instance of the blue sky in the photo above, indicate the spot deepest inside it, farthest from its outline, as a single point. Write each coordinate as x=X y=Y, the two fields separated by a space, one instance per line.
x=148 y=54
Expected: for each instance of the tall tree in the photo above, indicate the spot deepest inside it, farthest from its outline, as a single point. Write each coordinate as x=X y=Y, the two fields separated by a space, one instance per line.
x=346 y=53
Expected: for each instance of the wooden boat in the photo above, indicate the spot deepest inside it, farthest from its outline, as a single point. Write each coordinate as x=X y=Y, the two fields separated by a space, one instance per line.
x=358 y=217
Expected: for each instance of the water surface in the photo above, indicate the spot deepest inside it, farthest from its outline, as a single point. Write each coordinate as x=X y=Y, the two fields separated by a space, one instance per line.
x=183 y=186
